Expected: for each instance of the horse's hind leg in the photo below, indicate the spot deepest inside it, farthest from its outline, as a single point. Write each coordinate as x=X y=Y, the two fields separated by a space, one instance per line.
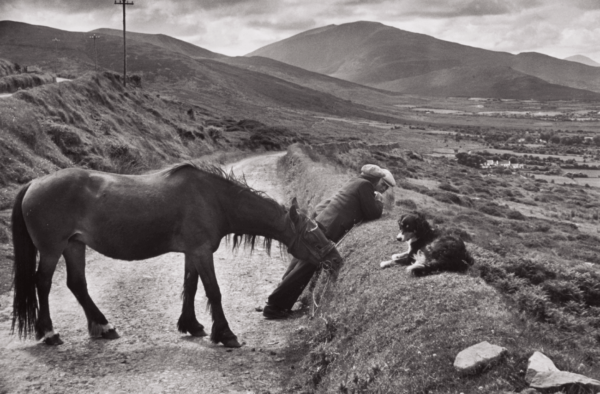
x=187 y=321
x=43 y=283
x=97 y=324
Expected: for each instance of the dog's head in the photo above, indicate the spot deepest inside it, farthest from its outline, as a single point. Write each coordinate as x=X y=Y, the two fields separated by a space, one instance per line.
x=412 y=226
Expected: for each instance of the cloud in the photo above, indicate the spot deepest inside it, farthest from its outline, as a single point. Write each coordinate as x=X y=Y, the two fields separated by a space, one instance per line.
x=236 y=27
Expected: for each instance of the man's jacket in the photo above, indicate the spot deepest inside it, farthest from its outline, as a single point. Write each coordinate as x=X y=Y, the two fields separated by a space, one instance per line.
x=353 y=203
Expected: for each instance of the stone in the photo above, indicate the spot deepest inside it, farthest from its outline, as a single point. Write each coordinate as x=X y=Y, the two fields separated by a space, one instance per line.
x=538 y=362
x=529 y=391
x=556 y=379
x=477 y=355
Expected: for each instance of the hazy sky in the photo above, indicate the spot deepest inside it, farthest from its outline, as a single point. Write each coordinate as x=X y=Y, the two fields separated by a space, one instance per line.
x=559 y=28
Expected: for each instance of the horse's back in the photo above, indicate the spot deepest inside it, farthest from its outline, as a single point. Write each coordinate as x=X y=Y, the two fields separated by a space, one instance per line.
x=122 y=216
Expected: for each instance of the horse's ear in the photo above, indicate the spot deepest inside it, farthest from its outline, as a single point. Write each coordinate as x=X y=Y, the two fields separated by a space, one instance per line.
x=294 y=211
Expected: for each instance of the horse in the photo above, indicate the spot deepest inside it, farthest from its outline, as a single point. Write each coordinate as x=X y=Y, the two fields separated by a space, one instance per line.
x=186 y=208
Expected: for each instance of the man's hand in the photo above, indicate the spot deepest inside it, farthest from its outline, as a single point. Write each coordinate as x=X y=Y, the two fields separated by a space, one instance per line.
x=379 y=196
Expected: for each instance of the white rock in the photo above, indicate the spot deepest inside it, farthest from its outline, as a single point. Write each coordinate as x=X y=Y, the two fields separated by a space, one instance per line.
x=538 y=362
x=556 y=379
x=477 y=355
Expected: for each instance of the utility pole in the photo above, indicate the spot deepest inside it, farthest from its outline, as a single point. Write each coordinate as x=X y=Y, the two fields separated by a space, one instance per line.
x=95 y=37
x=56 y=40
x=124 y=3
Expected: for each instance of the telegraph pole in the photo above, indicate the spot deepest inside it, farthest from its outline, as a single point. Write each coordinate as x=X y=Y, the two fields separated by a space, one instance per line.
x=56 y=40
x=124 y=3
x=95 y=37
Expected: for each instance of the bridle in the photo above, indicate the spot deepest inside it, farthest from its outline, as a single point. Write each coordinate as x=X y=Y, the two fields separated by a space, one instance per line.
x=317 y=244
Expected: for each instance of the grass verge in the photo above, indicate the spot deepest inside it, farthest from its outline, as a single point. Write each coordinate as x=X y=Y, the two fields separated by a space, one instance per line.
x=383 y=331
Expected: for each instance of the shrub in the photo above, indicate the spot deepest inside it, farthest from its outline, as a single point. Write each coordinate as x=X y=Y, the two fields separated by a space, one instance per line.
x=492 y=209
x=533 y=271
x=448 y=187
x=408 y=203
x=515 y=215
x=562 y=292
x=533 y=300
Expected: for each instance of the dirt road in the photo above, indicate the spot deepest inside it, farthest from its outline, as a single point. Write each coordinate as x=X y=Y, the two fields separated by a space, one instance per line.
x=142 y=299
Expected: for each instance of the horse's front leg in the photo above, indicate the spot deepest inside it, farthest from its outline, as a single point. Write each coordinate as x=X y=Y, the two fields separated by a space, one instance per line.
x=187 y=321
x=203 y=261
x=98 y=326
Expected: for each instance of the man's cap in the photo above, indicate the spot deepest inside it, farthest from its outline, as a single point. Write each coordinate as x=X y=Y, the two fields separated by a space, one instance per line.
x=388 y=178
x=372 y=170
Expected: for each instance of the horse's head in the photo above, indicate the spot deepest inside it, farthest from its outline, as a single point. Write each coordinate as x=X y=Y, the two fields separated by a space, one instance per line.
x=310 y=243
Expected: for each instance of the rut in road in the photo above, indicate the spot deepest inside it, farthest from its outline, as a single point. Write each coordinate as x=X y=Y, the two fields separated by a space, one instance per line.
x=142 y=299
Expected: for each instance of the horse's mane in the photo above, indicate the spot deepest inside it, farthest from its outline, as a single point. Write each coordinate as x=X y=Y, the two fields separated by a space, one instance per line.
x=209 y=168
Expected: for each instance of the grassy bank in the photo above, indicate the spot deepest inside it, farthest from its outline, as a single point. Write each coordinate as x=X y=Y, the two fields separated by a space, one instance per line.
x=13 y=83
x=383 y=331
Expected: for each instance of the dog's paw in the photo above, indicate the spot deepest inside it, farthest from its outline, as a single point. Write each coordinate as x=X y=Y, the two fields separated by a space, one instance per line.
x=399 y=256
x=415 y=267
x=386 y=264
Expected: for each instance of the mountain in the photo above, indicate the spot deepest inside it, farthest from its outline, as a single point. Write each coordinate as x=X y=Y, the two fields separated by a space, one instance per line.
x=172 y=66
x=583 y=60
x=313 y=80
x=384 y=57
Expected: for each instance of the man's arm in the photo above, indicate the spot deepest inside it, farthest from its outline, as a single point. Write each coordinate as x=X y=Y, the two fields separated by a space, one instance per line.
x=319 y=208
x=371 y=208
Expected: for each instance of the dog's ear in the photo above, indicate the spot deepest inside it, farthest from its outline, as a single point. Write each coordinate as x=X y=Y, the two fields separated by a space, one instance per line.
x=421 y=222
x=400 y=220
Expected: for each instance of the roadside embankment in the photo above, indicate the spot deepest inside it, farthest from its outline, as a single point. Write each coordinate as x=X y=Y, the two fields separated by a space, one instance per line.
x=383 y=331
x=13 y=83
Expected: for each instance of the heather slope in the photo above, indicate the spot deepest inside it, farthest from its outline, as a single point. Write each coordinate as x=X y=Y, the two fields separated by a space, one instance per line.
x=385 y=331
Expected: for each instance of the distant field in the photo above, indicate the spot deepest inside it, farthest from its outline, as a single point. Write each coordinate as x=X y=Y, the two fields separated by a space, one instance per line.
x=560 y=180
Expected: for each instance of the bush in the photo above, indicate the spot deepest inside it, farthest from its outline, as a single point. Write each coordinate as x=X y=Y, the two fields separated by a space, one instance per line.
x=533 y=271
x=408 y=203
x=515 y=215
x=492 y=209
x=449 y=188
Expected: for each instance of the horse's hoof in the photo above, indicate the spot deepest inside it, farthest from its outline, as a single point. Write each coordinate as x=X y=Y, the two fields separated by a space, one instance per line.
x=111 y=334
x=232 y=342
x=199 y=333
x=54 y=340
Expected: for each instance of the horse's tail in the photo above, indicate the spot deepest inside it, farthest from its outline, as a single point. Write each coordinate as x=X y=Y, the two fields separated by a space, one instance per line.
x=25 y=304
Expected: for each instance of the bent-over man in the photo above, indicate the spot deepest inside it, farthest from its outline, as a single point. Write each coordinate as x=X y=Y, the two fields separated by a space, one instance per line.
x=358 y=200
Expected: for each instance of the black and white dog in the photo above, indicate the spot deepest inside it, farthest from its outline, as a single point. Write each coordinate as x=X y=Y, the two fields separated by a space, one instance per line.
x=429 y=250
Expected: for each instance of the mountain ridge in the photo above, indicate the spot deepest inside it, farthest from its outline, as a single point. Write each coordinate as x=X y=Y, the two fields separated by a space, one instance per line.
x=384 y=57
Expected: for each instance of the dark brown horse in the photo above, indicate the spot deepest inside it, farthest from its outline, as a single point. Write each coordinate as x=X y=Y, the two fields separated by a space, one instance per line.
x=186 y=208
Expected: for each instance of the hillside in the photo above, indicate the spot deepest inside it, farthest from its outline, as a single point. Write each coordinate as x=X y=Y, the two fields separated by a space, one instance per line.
x=94 y=122
x=533 y=287
x=384 y=57
x=309 y=79
x=169 y=65
x=164 y=41
x=500 y=81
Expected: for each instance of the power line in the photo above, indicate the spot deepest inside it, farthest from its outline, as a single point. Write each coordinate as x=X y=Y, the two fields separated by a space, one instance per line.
x=55 y=40
x=124 y=3
x=95 y=37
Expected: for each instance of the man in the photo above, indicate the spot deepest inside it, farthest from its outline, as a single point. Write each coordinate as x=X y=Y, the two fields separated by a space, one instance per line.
x=358 y=200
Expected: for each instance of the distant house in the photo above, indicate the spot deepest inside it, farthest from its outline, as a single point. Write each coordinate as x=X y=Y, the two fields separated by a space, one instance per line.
x=33 y=69
x=490 y=163
x=502 y=163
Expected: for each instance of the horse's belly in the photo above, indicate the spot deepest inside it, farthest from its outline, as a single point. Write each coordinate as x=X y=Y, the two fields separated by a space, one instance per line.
x=127 y=247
